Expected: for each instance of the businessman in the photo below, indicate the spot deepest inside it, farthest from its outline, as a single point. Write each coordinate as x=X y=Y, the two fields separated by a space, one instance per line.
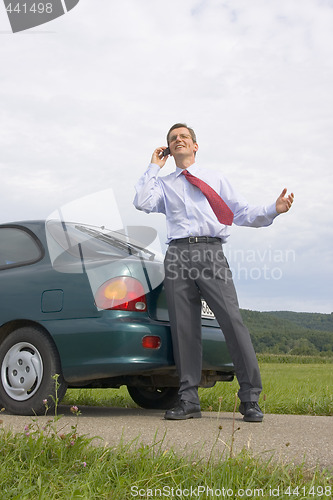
x=200 y=205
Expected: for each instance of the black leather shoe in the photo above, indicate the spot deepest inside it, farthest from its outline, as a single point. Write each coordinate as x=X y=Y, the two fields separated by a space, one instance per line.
x=251 y=411
x=183 y=411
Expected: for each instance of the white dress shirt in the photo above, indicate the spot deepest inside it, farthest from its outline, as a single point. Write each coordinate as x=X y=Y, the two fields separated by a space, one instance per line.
x=187 y=210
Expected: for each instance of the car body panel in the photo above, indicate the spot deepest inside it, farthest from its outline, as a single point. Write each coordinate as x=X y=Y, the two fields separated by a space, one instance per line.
x=96 y=344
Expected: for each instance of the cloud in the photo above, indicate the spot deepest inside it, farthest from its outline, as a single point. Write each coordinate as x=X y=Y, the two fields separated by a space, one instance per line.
x=86 y=98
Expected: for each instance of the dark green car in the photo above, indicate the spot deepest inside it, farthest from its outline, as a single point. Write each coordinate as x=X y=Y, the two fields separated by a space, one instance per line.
x=88 y=304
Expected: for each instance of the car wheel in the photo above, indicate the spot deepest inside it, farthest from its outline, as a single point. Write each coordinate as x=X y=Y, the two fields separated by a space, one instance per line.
x=162 y=398
x=28 y=361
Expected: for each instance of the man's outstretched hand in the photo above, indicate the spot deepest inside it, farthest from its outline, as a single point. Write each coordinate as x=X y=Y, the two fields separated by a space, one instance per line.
x=283 y=203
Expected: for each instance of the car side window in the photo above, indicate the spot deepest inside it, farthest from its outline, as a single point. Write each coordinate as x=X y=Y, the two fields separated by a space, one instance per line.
x=18 y=247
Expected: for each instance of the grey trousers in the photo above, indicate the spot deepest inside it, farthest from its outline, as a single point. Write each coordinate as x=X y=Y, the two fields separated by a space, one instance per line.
x=192 y=271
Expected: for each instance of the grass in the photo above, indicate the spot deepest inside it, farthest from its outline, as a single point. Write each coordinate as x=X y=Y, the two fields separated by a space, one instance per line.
x=290 y=388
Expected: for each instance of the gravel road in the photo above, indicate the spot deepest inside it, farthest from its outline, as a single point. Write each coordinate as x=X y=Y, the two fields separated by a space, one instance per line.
x=289 y=438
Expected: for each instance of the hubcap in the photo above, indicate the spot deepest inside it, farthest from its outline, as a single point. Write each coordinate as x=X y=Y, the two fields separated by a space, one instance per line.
x=22 y=371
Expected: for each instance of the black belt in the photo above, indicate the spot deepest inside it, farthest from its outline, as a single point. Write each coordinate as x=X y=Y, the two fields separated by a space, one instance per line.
x=197 y=239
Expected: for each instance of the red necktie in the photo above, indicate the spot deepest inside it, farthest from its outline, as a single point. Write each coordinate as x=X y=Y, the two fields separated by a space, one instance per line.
x=220 y=208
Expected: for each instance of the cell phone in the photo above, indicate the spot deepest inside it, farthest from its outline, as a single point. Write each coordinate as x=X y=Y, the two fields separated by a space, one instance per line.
x=166 y=152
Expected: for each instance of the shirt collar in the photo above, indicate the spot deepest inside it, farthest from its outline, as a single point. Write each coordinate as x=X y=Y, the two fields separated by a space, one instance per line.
x=192 y=169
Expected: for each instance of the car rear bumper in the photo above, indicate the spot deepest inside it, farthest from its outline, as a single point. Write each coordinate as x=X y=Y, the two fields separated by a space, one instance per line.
x=111 y=346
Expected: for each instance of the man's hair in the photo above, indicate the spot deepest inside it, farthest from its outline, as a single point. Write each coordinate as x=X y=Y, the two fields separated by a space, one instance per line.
x=180 y=125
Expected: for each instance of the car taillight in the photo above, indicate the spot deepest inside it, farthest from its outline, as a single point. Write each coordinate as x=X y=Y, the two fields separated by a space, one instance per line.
x=123 y=293
x=151 y=342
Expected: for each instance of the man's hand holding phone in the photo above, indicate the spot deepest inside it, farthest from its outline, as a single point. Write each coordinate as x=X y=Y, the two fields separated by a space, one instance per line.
x=160 y=156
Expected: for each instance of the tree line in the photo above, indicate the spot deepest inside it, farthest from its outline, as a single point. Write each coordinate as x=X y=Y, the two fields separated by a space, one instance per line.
x=287 y=332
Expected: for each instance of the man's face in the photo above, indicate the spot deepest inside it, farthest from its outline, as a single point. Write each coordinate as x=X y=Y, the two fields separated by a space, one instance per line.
x=181 y=143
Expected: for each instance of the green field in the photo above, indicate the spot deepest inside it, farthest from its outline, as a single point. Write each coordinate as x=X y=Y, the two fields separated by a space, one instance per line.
x=290 y=388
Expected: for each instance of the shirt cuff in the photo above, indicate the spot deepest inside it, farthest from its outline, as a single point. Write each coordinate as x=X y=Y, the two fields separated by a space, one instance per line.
x=271 y=211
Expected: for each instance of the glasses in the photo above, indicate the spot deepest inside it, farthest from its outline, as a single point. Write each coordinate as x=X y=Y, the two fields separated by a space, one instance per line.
x=173 y=138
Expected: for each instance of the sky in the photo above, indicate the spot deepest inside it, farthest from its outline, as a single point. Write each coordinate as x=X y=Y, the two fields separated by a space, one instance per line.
x=87 y=97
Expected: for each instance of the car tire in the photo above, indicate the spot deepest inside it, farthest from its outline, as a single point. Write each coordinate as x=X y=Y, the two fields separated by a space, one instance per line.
x=154 y=398
x=29 y=361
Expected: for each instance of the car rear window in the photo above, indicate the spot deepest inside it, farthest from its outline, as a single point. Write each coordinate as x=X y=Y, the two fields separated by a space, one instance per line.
x=18 y=247
x=77 y=239
x=89 y=242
